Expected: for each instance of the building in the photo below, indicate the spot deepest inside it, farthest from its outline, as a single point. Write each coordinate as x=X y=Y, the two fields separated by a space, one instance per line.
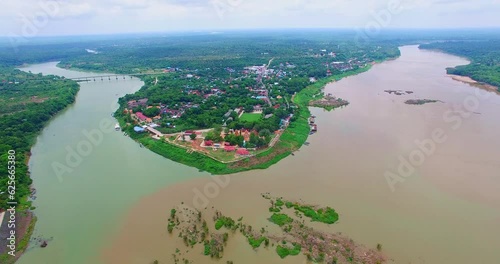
x=154 y=131
x=229 y=148
x=139 y=129
x=140 y=102
x=141 y=116
x=257 y=109
x=242 y=152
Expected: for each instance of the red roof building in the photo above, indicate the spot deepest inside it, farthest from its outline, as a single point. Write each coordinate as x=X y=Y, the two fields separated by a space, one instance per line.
x=209 y=143
x=141 y=116
x=229 y=148
x=242 y=152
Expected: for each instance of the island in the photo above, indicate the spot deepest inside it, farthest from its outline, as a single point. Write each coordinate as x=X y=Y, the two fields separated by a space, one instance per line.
x=209 y=231
x=420 y=101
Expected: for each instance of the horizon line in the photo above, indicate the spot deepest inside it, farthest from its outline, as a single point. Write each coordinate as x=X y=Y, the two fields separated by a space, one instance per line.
x=221 y=30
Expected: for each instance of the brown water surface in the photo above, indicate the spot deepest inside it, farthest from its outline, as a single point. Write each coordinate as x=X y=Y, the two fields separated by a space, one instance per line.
x=447 y=211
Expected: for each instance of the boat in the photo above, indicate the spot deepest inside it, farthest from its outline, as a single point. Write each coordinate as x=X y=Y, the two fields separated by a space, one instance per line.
x=117 y=127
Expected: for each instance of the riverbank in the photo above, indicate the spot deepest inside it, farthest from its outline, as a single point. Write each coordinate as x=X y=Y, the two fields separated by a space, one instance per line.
x=469 y=80
x=36 y=103
x=25 y=225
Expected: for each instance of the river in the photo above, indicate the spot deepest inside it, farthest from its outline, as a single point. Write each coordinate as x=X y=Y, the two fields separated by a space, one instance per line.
x=113 y=207
x=79 y=203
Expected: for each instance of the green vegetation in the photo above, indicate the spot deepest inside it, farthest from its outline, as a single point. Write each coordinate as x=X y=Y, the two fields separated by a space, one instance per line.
x=280 y=219
x=224 y=221
x=294 y=237
x=213 y=249
x=484 y=56
x=201 y=92
x=248 y=117
x=325 y=215
x=256 y=242
x=284 y=251
x=27 y=105
x=170 y=227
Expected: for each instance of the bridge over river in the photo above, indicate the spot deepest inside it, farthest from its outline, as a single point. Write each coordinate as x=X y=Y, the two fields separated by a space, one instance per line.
x=99 y=77
x=109 y=77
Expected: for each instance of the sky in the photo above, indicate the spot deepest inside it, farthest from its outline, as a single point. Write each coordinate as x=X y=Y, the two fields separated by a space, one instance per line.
x=30 y=18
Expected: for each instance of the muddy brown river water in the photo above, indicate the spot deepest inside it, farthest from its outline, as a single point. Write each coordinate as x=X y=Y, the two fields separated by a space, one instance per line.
x=442 y=207
x=422 y=180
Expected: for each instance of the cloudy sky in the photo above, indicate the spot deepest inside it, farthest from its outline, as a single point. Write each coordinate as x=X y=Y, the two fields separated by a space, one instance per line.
x=74 y=17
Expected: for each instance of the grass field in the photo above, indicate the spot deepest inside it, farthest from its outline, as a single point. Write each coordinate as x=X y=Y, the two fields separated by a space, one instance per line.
x=249 y=117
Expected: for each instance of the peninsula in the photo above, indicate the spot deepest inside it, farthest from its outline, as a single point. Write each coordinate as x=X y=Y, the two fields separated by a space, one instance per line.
x=226 y=126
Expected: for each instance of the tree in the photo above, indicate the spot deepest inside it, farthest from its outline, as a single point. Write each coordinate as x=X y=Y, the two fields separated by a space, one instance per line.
x=152 y=112
x=192 y=136
x=265 y=133
x=249 y=108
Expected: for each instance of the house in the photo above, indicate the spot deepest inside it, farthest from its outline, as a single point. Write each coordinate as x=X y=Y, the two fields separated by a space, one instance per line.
x=242 y=152
x=141 y=116
x=246 y=135
x=229 y=148
x=140 y=102
x=209 y=143
x=268 y=116
x=257 y=109
x=238 y=110
x=139 y=129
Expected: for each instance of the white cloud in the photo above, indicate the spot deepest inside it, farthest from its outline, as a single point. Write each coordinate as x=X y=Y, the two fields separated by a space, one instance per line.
x=110 y=16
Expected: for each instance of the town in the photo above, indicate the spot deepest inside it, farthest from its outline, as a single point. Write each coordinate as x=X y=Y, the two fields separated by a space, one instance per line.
x=230 y=116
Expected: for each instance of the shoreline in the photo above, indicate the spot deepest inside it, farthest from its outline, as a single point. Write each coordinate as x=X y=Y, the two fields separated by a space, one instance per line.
x=469 y=80
x=464 y=78
x=27 y=216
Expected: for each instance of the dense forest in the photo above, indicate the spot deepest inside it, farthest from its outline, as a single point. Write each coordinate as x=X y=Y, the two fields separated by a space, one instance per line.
x=214 y=53
x=27 y=104
x=484 y=56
